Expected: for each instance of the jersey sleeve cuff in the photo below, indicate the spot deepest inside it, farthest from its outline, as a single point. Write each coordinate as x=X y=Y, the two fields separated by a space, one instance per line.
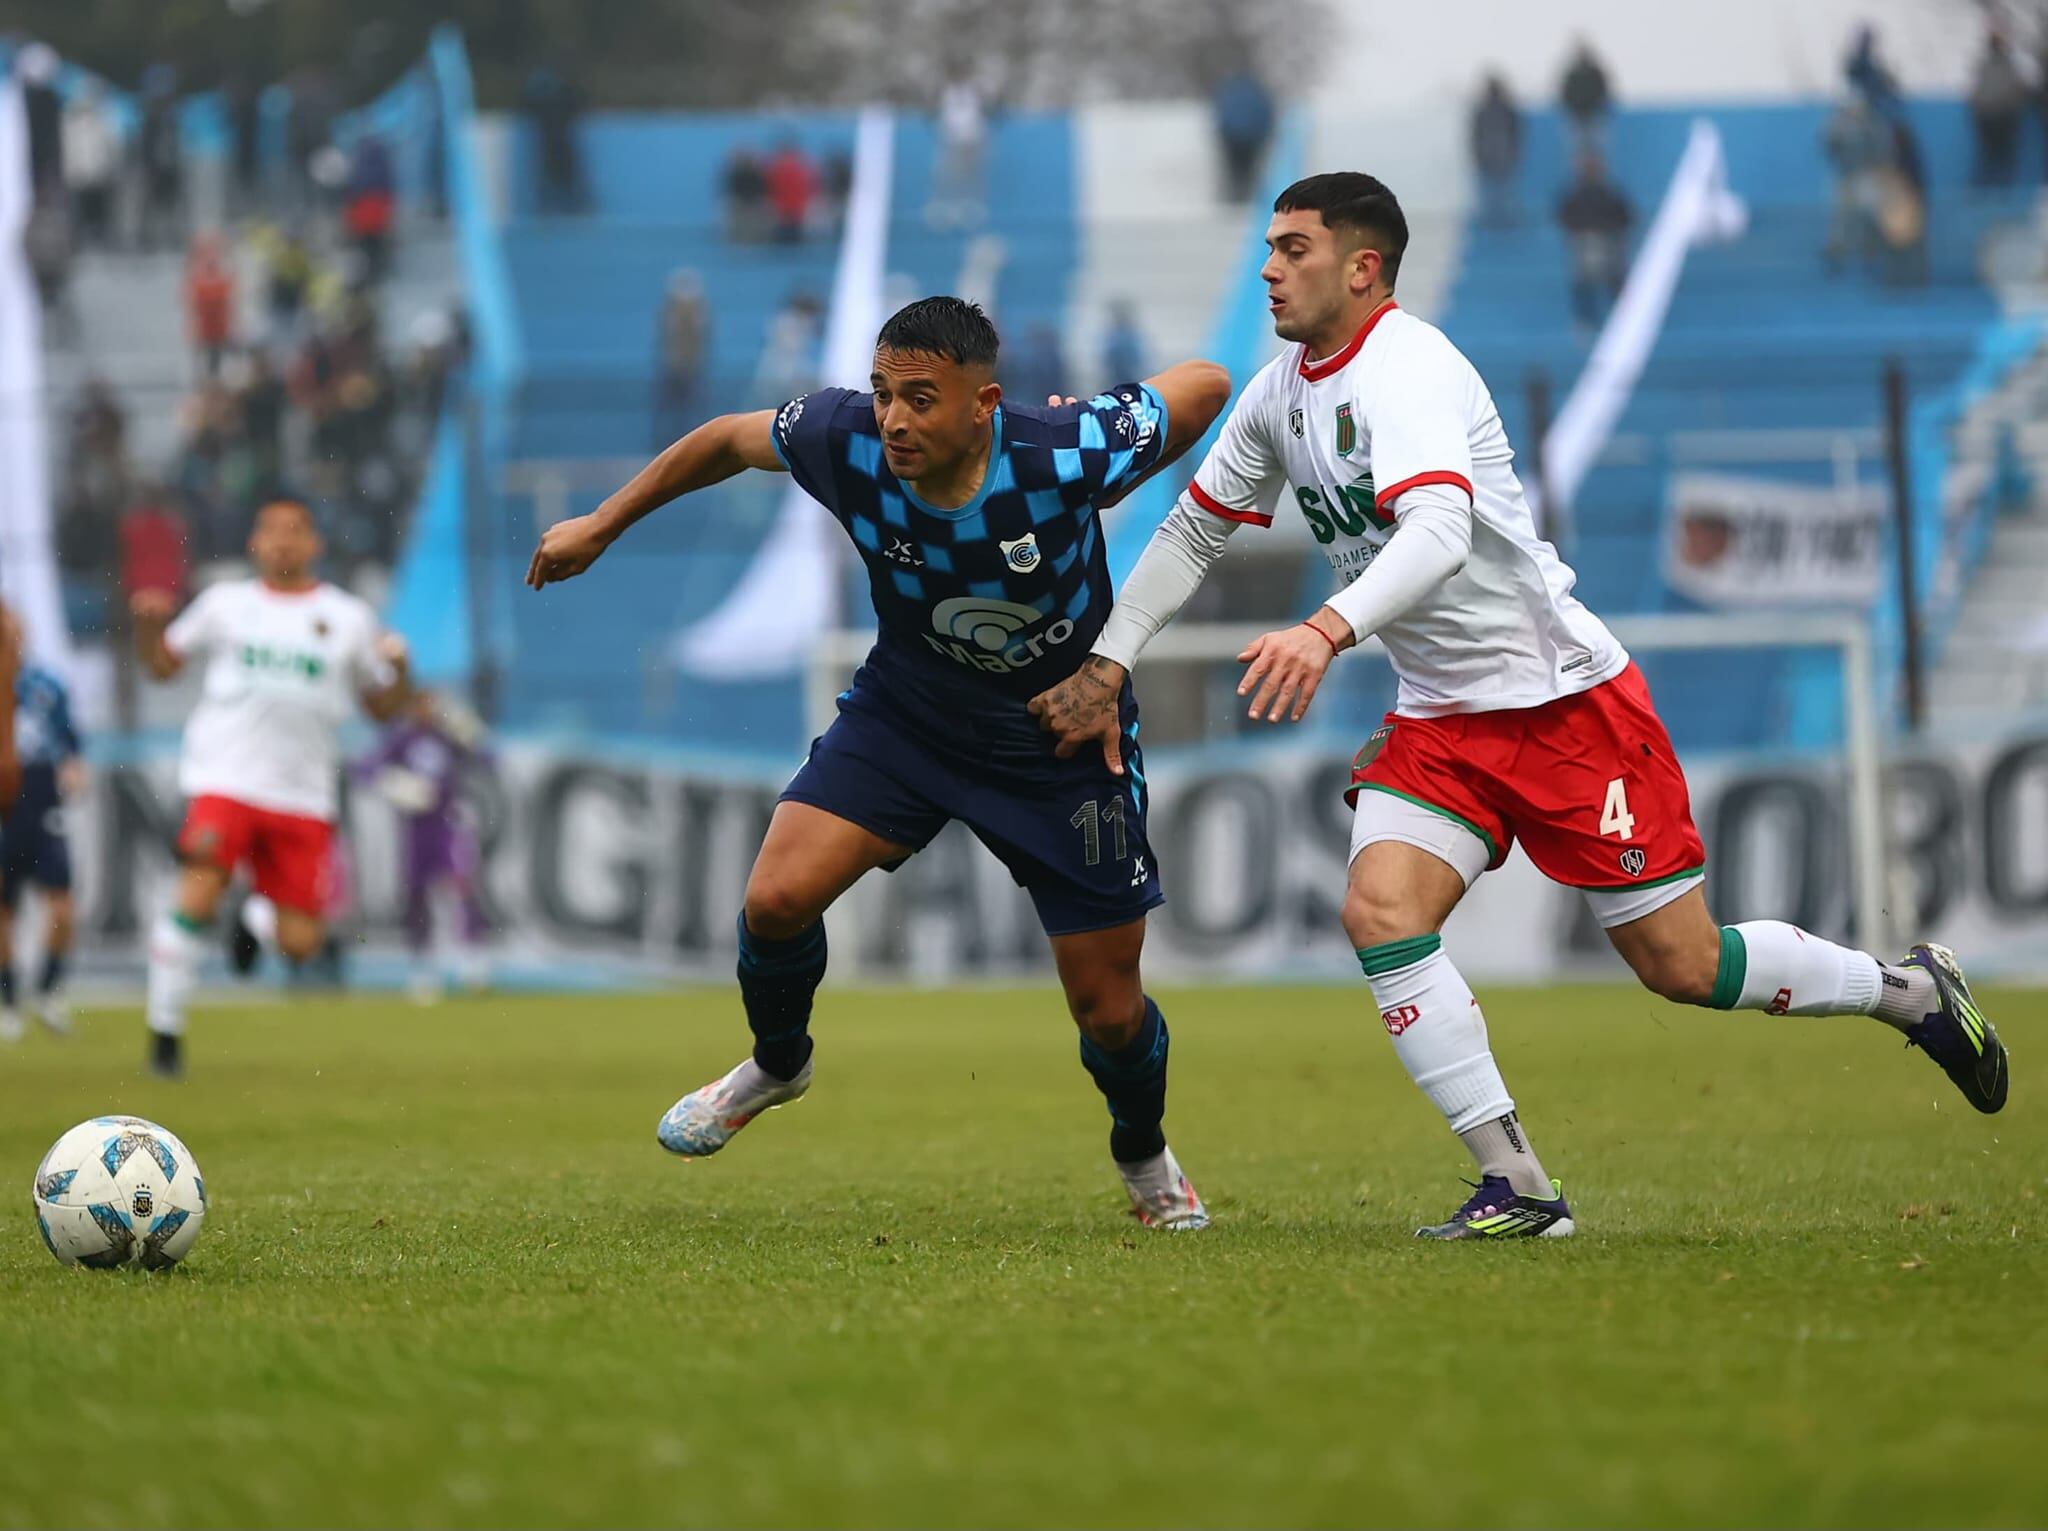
x=1216 y=507
x=1393 y=492
x=1158 y=402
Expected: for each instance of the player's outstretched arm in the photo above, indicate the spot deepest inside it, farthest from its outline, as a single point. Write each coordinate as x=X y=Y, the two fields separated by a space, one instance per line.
x=385 y=702
x=152 y=611
x=1194 y=393
x=1432 y=542
x=714 y=452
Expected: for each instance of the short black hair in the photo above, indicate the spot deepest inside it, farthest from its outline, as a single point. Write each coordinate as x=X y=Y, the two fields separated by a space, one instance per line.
x=1350 y=199
x=290 y=500
x=949 y=327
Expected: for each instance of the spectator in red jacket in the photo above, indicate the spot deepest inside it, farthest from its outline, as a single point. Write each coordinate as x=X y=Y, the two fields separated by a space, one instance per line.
x=209 y=301
x=792 y=188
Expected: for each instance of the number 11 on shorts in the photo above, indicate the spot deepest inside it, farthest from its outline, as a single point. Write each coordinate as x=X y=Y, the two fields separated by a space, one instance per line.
x=1615 y=819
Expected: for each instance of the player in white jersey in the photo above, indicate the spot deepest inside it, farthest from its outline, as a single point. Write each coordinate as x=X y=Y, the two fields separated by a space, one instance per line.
x=1518 y=713
x=288 y=659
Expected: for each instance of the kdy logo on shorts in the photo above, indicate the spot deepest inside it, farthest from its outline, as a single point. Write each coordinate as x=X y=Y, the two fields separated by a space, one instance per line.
x=1633 y=861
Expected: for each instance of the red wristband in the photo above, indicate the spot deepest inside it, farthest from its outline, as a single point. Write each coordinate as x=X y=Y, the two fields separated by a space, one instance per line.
x=1334 y=650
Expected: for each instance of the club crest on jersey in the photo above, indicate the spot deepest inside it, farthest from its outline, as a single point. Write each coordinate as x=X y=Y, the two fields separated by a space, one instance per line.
x=1633 y=862
x=1294 y=423
x=1347 y=430
x=1022 y=555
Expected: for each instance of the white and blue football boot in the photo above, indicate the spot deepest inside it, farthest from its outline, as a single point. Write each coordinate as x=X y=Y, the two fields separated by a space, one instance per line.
x=1161 y=1196
x=705 y=1120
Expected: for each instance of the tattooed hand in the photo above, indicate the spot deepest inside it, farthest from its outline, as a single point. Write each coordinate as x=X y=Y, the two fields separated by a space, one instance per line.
x=1084 y=707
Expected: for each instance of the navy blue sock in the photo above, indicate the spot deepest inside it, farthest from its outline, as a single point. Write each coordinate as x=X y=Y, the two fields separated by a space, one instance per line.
x=7 y=984
x=1133 y=1081
x=53 y=973
x=777 y=980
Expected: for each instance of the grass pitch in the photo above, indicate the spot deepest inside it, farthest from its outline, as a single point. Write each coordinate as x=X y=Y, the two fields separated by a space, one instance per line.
x=449 y=1278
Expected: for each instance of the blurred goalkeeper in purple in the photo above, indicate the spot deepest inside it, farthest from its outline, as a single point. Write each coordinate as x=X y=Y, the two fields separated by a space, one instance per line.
x=422 y=767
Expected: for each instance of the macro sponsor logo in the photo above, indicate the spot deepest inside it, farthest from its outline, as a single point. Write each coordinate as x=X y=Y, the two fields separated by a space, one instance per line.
x=990 y=635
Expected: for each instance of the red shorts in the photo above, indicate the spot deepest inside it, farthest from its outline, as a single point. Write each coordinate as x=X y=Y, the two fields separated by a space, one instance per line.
x=1589 y=783
x=290 y=854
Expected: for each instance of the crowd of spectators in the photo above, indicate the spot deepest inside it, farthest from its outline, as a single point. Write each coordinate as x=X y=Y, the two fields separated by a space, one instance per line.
x=1878 y=218
x=784 y=195
x=1879 y=213
x=293 y=384
x=1592 y=210
x=297 y=389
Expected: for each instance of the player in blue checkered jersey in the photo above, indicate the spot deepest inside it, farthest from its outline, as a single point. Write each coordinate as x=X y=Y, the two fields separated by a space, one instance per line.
x=976 y=520
x=34 y=848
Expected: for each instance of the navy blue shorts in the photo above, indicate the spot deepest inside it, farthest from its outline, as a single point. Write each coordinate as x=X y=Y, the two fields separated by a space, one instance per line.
x=1071 y=834
x=33 y=850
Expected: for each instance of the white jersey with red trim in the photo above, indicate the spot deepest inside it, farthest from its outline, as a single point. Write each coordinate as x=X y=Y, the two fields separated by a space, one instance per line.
x=284 y=669
x=1342 y=440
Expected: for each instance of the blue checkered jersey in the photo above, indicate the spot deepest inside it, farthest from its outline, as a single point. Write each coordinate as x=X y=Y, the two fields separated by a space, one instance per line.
x=44 y=735
x=43 y=731
x=981 y=607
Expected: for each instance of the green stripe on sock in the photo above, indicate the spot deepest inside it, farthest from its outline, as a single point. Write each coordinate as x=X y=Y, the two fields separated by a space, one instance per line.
x=1734 y=968
x=186 y=922
x=1397 y=954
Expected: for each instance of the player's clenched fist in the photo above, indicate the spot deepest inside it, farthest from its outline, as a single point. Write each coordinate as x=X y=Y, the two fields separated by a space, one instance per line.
x=568 y=548
x=152 y=608
x=1287 y=666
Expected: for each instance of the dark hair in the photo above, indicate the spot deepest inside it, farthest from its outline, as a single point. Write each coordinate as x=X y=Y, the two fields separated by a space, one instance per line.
x=286 y=498
x=1349 y=199
x=947 y=327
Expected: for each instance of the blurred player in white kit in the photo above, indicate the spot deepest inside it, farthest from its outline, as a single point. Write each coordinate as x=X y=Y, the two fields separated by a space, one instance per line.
x=288 y=658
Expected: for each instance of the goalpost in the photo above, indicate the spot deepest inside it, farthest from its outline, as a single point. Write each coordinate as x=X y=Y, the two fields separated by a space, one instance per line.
x=1217 y=644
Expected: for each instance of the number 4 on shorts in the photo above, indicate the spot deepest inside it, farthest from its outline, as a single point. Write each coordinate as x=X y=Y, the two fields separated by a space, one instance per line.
x=1615 y=819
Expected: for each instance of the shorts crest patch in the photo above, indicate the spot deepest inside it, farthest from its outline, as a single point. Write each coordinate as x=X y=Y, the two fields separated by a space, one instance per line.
x=1369 y=751
x=1633 y=861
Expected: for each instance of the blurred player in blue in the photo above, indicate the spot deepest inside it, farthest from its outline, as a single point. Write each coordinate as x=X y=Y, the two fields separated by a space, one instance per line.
x=976 y=520
x=34 y=851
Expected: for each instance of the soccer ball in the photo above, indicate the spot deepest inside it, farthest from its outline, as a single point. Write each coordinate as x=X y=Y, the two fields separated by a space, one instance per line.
x=119 y=1191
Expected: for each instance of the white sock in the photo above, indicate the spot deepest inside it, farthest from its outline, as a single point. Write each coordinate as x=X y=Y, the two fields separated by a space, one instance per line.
x=174 y=950
x=1502 y=1148
x=260 y=915
x=1439 y=1035
x=1780 y=969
